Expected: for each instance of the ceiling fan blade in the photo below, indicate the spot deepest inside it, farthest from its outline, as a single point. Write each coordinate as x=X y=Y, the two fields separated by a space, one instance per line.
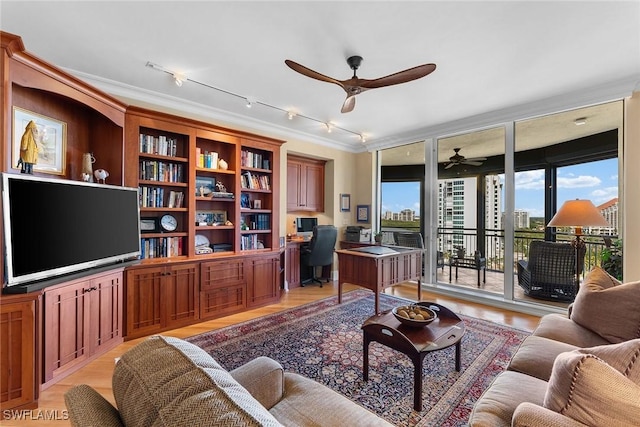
x=399 y=77
x=310 y=73
x=471 y=163
x=450 y=165
x=349 y=103
x=477 y=159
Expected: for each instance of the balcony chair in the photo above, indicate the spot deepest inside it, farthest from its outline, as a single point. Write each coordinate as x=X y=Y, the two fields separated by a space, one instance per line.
x=550 y=272
x=319 y=253
x=413 y=239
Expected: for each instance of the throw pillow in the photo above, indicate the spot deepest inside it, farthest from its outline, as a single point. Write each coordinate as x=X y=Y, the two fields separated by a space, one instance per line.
x=607 y=307
x=596 y=392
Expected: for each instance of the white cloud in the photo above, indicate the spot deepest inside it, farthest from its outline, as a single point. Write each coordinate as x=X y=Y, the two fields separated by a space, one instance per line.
x=530 y=180
x=581 y=181
x=602 y=195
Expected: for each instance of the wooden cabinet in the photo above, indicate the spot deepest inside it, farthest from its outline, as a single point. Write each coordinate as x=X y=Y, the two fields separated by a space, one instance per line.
x=263 y=284
x=19 y=383
x=158 y=298
x=305 y=184
x=223 y=288
x=292 y=264
x=82 y=319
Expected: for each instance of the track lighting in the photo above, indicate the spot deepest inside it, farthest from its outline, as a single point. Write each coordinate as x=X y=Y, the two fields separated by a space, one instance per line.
x=180 y=78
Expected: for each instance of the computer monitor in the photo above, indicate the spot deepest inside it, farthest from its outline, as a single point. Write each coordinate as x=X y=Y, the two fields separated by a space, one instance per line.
x=304 y=227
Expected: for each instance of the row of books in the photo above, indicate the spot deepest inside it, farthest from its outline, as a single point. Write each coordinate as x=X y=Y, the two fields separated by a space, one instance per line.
x=206 y=159
x=255 y=182
x=159 y=247
x=162 y=145
x=154 y=197
x=153 y=170
x=250 y=159
x=258 y=221
x=250 y=241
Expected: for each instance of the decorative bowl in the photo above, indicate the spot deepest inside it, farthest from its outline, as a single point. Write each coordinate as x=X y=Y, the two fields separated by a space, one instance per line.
x=416 y=316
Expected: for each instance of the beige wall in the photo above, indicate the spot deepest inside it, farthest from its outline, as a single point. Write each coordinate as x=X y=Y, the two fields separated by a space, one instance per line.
x=630 y=191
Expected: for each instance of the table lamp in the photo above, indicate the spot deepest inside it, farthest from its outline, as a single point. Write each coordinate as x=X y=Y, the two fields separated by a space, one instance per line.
x=578 y=213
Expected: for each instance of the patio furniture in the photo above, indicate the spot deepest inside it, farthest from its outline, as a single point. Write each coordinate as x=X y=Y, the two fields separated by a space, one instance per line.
x=477 y=262
x=550 y=272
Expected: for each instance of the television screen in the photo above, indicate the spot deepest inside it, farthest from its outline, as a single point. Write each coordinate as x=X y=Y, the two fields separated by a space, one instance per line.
x=54 y=227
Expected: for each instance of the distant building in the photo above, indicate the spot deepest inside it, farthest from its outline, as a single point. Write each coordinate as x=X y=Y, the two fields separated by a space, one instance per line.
x=521 y=219
x=609 y=211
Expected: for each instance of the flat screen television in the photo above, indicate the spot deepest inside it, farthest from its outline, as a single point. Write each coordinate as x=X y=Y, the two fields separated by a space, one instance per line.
x=54 y=227
x=304 y=226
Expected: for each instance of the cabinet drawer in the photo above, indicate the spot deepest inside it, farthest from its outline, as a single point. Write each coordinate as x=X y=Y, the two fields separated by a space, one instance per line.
x=223 y=300
x=218 y=274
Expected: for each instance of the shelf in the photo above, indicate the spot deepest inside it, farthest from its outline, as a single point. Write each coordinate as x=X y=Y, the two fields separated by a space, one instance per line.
x=259 y=170
x=255 y=231
x=144 y=182
x=212 y=170
x=215 y=227
x=252 y=211
x=163 y=157
x=147 y=209
x=255 y=190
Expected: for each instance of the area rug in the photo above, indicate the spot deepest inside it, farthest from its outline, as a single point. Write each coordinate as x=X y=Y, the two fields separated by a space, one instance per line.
x=323 y=341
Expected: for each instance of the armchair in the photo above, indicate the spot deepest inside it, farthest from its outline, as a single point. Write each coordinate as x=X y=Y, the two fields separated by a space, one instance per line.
x=550 y=272
x=320 y=251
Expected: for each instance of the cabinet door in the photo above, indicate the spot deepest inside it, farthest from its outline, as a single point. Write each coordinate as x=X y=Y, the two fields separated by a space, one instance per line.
x=66 y=317
x=292 y=265
x=143 y=301
x=262 y=285
x=18 y=382
x=313 y=181
x=223 y=288
x=106 y=312
x=294 y=177
x=180 y=295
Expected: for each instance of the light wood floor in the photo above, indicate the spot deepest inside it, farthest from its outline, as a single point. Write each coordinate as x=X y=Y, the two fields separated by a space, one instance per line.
x=98 y=373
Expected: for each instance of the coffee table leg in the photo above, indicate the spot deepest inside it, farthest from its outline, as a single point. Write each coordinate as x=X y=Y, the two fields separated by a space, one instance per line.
x=417 y=383
x=365 y=357
x=458 y=347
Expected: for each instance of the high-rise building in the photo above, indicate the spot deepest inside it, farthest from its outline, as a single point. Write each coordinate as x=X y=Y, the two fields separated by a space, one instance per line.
x=521 y=219
x=609 y=211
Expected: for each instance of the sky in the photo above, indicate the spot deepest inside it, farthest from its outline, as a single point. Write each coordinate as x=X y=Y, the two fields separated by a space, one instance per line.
x=596 y=181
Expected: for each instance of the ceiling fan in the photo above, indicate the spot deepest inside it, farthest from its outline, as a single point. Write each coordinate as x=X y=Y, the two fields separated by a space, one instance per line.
x=355 y=85
x=459 y=159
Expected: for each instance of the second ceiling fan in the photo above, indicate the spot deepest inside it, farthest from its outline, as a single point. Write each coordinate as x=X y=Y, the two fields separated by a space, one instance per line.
x=459 y=159
x=356 y=85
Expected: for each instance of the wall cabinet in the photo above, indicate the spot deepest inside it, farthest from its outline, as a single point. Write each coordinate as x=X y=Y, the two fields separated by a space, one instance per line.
x=159 y=298
x=82 y=319
x=19 y=384
x=305 y=184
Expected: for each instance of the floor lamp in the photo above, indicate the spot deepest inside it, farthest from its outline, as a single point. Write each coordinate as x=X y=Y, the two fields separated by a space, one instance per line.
x=578 y=213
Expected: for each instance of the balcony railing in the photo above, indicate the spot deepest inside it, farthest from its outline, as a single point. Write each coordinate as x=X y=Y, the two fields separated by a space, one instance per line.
x=450 y=239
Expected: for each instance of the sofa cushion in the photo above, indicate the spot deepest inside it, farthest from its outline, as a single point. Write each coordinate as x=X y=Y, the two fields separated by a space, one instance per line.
x=496 y=405
x=608 y=307
x=536 y=355
x=559 y=327
x=594 y=391
x=166 y=381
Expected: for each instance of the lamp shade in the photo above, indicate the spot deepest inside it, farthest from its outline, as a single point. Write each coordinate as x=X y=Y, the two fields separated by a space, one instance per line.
x=578 y=213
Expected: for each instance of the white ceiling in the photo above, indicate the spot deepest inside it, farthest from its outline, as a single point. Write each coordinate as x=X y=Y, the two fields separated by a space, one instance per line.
x=495 y=60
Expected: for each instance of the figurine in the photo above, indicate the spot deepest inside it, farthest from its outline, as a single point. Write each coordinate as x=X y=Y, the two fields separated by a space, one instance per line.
x=101 y=174
x=29 y=148
x=221 y=188
x=222 y=164
x=87 y=169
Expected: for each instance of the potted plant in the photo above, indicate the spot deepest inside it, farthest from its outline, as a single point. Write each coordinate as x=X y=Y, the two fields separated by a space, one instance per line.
x=378 y=237
x=611 y=259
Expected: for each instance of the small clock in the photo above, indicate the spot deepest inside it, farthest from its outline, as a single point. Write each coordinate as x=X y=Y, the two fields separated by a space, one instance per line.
x=168 y=223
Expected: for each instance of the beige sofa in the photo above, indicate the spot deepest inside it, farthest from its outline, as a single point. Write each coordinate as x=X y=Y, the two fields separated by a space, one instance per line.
x=166 y=381
x=582 y=369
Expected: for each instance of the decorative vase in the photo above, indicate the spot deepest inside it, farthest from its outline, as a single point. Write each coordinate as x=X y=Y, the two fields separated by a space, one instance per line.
x=222 y=164
x=87 y=167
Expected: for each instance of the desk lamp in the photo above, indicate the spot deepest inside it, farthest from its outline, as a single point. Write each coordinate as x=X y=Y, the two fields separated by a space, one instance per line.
x=578 y=213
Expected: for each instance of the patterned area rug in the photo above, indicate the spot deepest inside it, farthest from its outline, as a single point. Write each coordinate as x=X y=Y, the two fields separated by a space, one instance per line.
x=323 y=341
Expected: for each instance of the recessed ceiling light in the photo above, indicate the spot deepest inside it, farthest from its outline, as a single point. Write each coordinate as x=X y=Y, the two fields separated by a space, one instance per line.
x=580 y=121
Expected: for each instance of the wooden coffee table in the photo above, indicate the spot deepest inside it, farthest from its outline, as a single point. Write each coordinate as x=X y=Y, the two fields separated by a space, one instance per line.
x=445 y=331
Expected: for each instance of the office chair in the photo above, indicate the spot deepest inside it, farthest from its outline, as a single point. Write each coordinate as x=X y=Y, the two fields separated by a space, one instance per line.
x=320 y=251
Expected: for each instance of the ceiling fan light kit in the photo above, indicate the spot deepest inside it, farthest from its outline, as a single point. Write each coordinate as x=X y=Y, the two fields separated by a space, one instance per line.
x=355 y=85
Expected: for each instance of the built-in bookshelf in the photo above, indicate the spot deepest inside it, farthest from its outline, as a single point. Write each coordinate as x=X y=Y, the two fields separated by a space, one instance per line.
x=256 y=199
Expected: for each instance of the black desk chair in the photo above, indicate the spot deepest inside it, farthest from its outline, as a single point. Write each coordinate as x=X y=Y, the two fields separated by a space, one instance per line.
x=320 y=251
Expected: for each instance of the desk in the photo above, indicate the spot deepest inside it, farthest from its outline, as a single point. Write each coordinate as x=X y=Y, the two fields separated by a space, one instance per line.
x=294 y=273
x=379 y=267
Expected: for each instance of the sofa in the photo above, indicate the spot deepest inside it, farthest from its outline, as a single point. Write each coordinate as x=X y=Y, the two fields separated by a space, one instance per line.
x=165 y=381
x=578 y=369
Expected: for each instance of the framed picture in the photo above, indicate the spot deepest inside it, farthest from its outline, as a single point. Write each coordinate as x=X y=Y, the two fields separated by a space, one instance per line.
x=204 y=218
x=345 y=202
x=205 y=186
x=50 y=138
x=245 y=201
x=257 y=204
x=362 y=212
x=149 y=225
